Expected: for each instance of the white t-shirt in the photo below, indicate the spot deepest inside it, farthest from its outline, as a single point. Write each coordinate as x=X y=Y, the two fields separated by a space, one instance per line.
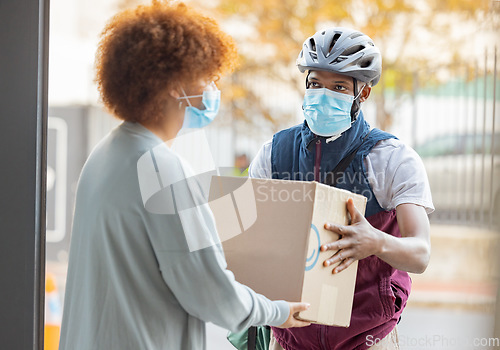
x=394 y=170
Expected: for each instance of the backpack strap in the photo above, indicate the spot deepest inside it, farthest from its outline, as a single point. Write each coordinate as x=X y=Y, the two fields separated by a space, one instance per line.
x=252 y=338
x=333 y=177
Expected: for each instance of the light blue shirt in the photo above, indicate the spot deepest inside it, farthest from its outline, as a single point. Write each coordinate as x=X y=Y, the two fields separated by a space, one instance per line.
x=132 y=281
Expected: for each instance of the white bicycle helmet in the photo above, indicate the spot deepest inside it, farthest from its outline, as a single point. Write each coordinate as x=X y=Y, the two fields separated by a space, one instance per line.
x=344 y=51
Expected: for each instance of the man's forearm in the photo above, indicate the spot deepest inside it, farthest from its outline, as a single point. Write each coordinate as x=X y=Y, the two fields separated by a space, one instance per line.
x=409 y=254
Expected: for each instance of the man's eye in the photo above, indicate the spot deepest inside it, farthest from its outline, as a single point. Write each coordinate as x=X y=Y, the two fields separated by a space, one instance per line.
x=314 y=84
x=340 y=88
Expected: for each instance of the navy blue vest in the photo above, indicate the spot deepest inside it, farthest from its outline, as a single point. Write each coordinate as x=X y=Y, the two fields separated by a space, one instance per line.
x=294 y=157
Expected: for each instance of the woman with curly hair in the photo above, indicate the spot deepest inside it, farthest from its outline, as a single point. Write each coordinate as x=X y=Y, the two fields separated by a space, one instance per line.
x=133 y=281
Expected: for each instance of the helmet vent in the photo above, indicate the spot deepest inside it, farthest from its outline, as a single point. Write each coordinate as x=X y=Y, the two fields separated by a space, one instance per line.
x=334 y=40
x=339 y=59
x=353 y=50
x=355 y=35
x=312 y=43
x=365 y=63
x=314 y=56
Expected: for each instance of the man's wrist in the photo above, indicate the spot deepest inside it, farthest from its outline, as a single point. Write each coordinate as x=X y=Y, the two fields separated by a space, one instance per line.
x=382 y=239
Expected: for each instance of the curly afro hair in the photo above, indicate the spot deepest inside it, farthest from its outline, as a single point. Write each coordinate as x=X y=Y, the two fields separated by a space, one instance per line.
x=146 y=52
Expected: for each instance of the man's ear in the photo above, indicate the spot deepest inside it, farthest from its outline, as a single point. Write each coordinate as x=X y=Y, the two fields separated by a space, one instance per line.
x=365 y=93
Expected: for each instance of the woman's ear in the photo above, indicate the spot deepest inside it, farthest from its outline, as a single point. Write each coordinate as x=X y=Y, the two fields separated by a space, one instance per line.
x=365 y=93
x=174 y=93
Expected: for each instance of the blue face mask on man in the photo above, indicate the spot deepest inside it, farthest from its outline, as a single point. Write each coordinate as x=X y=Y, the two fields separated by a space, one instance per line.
x=327 y=112
x=195 y=118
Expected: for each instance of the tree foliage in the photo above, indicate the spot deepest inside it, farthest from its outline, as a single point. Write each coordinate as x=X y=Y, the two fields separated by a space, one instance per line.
x=416 y=38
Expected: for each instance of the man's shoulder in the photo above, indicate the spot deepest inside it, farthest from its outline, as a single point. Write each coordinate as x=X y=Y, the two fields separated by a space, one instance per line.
x=389 y=144
x=288 y=134
x=391 y=153
x=378 y=135
x=393 y=145
x=291 y=130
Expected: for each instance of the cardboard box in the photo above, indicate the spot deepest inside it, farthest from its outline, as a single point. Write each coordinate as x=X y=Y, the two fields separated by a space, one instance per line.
x=271 y=232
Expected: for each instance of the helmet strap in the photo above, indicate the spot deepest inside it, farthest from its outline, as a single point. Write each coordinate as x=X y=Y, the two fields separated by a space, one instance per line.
x=307 y=79
x=355 y=104
x=307 y=83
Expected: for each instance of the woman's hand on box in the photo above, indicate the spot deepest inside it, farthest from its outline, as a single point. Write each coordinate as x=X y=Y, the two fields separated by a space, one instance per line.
x=357 y=240
x=295 y=308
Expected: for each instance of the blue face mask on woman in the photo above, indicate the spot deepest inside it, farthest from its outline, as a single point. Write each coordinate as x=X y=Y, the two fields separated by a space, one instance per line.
x=195 y=118
x=327 y=112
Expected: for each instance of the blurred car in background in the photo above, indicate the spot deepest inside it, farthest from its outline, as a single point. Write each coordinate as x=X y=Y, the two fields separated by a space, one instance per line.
x=464 y=177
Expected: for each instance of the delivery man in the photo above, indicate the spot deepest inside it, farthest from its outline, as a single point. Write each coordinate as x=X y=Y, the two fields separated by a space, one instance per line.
x=335 y=145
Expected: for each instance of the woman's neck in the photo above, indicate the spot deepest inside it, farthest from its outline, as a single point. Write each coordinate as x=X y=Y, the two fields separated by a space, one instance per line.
x=166 y=127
